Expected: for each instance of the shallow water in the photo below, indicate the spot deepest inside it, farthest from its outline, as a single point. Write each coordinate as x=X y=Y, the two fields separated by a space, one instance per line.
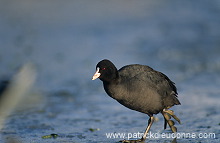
x=66 y=40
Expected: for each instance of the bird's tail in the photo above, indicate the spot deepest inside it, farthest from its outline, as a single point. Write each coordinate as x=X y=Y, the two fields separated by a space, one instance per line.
x=167 y=114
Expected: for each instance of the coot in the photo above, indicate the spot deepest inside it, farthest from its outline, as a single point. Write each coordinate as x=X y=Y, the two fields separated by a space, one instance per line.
x=140 y=88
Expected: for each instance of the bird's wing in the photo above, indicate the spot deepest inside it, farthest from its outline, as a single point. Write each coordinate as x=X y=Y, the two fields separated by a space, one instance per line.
x=160 y=81
x=149 y=78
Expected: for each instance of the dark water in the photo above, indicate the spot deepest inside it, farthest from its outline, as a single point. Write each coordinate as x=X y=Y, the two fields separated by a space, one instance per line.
x=65 y=40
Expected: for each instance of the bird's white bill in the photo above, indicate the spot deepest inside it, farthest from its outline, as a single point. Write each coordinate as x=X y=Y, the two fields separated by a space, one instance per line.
x=96 y=75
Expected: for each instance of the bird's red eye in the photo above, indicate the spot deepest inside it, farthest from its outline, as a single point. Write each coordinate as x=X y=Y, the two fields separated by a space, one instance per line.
x=103 y=68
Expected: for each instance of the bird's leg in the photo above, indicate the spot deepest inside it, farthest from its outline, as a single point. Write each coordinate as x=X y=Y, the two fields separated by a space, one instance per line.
x=167 y=115
x=150 y=122
x=165 y=122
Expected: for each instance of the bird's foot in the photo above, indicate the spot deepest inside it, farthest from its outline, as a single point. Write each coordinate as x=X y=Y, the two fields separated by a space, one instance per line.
x=133 y=141
x=167 y=116
x=171 y=113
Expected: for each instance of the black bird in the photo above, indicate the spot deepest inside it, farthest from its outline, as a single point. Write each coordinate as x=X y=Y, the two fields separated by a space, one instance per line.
x=140 y=88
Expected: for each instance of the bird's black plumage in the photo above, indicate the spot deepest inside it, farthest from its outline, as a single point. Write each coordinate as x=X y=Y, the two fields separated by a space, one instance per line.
x=138 y=87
